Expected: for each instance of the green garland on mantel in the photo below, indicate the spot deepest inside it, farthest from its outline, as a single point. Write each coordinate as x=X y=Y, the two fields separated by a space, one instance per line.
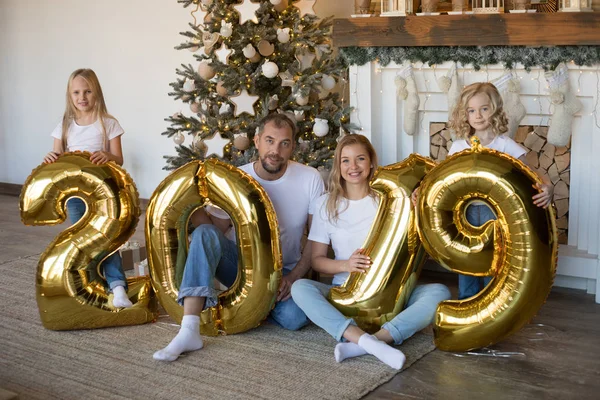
x=546 y=57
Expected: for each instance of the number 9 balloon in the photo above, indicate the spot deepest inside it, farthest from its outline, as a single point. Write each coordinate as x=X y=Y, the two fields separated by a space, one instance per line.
x=519 y=248
x=69 y=293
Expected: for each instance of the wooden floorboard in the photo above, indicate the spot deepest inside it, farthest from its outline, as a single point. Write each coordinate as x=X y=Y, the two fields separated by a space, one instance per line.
x=560 y=348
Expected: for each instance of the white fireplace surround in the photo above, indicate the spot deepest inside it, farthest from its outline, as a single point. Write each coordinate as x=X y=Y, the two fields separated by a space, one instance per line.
x=379 y=112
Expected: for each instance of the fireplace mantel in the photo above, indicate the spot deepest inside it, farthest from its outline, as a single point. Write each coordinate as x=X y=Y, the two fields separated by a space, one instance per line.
x=530 y=29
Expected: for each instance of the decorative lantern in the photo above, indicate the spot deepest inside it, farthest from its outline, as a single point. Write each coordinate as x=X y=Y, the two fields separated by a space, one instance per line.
x=395 y=8
x=488 y=6
x=575 y=6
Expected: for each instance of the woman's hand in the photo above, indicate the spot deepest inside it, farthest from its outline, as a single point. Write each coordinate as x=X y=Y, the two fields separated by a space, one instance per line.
x=51 y=157
x=544 y=198
x=357 y=262
x=100 y=157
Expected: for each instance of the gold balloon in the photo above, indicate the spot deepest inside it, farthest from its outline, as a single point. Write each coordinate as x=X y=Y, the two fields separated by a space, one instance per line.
x=519 y=248
x=254 y=292
x=397 y=256
x=70 y=294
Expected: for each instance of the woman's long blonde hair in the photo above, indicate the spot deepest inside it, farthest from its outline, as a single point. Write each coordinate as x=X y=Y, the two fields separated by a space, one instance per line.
x=337 y=184
x=99 y=109
x=459 y=120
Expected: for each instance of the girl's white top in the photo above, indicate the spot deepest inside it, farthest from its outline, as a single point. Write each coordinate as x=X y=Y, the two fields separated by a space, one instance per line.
x=346 y=234
x=88 y=137
x=500 y=143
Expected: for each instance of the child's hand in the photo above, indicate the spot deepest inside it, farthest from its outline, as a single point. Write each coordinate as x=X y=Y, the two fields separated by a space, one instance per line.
x=544 y=198
x=100 y=157
x=414 y=197
x=358 y=262
x=50 y=157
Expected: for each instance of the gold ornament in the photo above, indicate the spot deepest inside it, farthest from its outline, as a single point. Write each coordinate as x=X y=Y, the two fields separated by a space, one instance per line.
x=519 y=248
x=377 y=296
x=254 y=292
x=69 y=292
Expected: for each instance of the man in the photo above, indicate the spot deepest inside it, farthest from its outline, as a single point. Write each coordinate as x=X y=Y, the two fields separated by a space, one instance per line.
x=292 y=188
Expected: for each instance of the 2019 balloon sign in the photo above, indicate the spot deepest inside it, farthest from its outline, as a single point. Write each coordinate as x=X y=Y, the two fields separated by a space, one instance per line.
x=519 y=249
x=70 y=290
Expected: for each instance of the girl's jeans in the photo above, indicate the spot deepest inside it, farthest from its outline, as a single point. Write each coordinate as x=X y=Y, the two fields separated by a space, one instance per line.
x=112 y=267
x=468 y=286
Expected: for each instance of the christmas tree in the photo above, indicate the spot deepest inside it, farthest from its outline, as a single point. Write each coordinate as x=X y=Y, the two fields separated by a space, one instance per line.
x=255 y=58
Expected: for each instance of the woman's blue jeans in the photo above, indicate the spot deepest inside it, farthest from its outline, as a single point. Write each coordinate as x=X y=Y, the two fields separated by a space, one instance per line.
x=112 y=267
x=212 y=255
x=468 y=286
x=311 y=297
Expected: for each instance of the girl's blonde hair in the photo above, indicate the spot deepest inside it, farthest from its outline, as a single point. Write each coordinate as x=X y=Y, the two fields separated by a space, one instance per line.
x=337 y=184
x=459 y=119
x=99 y=108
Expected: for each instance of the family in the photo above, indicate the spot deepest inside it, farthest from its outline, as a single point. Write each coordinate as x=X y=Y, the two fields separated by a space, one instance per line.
x=340 y=218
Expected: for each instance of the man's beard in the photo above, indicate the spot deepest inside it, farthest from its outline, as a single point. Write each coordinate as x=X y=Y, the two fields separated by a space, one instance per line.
x=271 y=169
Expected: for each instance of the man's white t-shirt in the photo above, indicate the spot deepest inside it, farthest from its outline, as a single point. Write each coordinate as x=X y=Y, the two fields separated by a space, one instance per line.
x=89 y=137
x=346 y=234
x=500 y=143
x=293 y=196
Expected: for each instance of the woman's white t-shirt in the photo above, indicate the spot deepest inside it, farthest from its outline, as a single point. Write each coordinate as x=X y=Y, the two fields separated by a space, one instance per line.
x=346 y=234
x=88 y=137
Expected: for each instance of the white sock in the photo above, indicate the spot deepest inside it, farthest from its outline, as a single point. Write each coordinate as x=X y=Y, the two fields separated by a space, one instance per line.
x=120 y=298
x=188 y=339
x=348 y=350
x=386 y=353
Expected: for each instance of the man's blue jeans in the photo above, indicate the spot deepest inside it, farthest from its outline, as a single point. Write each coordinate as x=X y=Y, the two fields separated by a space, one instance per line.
x=468 y=286
x=212 y=255
x=112 y=266
x=418 y=313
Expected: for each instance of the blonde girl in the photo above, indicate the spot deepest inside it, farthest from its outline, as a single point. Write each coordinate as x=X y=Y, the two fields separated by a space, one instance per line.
x=480 y=113
x=343 y=218
x=87 y=126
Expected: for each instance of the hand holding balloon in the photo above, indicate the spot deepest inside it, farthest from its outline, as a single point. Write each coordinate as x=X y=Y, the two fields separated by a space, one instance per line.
x=544 y=198
x=358 y=262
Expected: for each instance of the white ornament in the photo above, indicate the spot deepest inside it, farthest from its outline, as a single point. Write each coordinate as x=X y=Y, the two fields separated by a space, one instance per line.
x=207 y=2
x=249 y=51
x=226 y=29
x=301 y=100
x=328 y=82
x=189 y=85
x=178 y=138
x=247 y=11
x=275 y=2
x=305 y=7
x=223 y=53
x=299 y=115
x=225 y=109
x=321 y=127
x=244 y=103
x=216 y=144
x=270 y=69
x=283 y=35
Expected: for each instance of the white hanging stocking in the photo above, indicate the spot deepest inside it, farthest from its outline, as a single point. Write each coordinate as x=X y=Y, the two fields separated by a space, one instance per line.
x=566 y=104
x=509 y=88
x=407 y=90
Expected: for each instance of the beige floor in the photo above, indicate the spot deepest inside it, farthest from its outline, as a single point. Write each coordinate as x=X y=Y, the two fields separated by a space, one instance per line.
x=558 y=355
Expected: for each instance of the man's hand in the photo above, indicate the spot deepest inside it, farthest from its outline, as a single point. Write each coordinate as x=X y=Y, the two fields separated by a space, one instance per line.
x=285 y=287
